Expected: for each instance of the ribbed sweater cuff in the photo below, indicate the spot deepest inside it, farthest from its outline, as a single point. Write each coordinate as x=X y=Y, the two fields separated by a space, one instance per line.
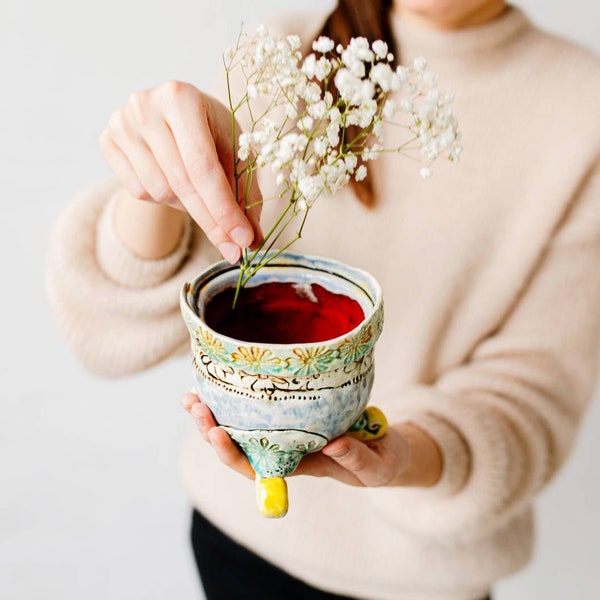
x=121 y=265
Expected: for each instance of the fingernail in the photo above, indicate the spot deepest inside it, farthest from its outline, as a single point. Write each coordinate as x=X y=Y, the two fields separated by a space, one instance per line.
x=230 y=251
x=196 y=410
x=241 y=236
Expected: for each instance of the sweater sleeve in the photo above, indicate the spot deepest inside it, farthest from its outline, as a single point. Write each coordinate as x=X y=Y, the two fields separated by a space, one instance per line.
x=506 y=419
x=119 y=313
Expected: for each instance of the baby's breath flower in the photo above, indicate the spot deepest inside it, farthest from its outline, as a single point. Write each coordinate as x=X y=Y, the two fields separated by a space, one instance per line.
x=312 y=93
x=318 y=110
x=293 y=41
x=321 y=145
x=309 y=149
x=290 y=110
x=389 y=109
x=372 y=153
x=244 y=146
x=333 y=134
x=350 y=162
x=383 y=76
x=306 y=123
x=301 y=205
x=406 y=104
x=402 y=73
x=380 y=48
x=419 y=64
x=334 y=115
x=447 y=137
x=378 y=130
x=269 y=126
x=448 y=97
x=361 y=173
x=308 y=67
x=429 y=78
x=322 y=68
x=323 y=45
x=311 y=187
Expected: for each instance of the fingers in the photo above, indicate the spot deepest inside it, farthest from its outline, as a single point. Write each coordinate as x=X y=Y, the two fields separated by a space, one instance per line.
x=319 y=465
x=142 y=159
x=187 y=115
x=201 y=414
x=228 y=453
x=121 y=166
x=249 y=195
x=169 y=145
x=225 y=448
x=189 y=400
x=374 y=463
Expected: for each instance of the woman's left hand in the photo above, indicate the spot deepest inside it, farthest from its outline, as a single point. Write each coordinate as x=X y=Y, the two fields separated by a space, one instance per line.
x=390 y=460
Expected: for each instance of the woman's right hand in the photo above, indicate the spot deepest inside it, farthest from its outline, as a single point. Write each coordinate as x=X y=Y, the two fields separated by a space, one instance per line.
x=172 y=145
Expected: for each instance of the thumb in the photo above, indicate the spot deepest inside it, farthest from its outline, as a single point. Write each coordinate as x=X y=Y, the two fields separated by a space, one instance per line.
x=351 y=454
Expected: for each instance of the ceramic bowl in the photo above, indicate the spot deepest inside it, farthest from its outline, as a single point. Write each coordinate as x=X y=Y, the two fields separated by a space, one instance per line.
x=282 y=401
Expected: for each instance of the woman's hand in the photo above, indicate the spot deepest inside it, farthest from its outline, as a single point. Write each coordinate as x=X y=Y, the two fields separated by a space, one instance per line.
x=172 y=144
x=405 y=455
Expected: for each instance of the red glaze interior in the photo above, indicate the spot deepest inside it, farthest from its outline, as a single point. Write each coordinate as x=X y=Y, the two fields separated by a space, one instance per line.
x=283 y=313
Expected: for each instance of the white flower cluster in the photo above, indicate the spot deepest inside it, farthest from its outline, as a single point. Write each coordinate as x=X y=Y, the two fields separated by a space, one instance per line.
x=335 y=103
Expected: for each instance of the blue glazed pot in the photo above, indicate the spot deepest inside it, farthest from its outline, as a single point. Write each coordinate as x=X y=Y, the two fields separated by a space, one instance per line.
x=282 y=401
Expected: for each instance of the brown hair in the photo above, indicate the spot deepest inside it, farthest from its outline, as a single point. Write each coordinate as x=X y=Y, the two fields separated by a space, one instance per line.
x=361 y=18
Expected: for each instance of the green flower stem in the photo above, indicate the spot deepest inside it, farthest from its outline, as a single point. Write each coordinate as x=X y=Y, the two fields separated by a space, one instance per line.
x=264 y=76
x=233 y=136
x=271 y=232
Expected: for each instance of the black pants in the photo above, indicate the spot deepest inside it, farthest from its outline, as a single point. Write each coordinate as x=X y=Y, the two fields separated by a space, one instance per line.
x=231 y=572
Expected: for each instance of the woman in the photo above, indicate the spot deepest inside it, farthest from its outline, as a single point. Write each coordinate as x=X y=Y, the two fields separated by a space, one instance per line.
x=489 y=271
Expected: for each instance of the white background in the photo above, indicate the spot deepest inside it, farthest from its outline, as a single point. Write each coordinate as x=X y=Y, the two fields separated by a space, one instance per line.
x=91 y=504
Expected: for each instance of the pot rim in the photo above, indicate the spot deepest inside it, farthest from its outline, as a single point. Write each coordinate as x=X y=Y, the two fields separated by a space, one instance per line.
x=369 y=286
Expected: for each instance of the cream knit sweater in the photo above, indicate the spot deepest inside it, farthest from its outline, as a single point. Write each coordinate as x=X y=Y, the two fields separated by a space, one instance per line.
x=491 y=279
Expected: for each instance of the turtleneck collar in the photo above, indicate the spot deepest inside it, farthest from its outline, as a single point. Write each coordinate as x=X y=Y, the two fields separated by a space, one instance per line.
x=479 y=41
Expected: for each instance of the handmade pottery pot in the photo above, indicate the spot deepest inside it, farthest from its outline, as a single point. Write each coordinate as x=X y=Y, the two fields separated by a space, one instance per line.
x=282 y=401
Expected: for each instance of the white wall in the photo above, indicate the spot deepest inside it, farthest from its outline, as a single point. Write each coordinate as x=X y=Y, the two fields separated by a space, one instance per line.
x=91 y=505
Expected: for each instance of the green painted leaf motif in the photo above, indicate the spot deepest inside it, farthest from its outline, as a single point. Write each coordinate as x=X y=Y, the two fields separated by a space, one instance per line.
x=378 y=322
x=310 y=361
x=189 y=322
x=210 y=345
x=267 y=457
x=351 y=349
x=263 y=455
x=306 y=448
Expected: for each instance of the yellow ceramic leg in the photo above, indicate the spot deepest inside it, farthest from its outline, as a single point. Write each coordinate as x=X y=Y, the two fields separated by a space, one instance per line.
x=371 y=425
x=272 y=496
